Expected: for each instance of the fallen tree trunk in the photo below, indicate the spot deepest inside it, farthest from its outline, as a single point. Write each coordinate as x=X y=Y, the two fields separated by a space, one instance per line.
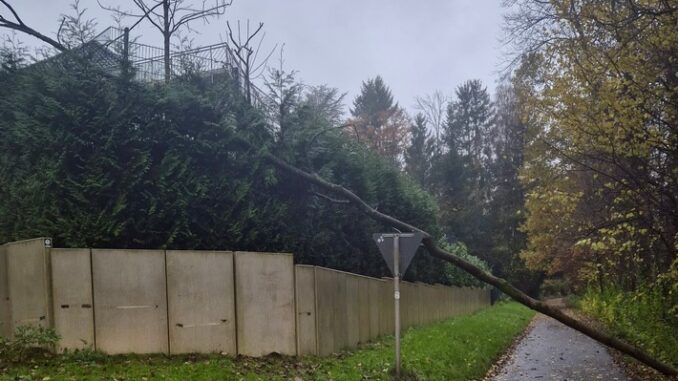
x=473 y=270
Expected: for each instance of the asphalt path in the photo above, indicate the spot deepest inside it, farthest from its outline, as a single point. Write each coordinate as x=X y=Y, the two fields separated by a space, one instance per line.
x=553 y=351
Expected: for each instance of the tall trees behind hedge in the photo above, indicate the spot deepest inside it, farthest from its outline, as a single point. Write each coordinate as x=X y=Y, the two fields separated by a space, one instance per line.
x=473 y=173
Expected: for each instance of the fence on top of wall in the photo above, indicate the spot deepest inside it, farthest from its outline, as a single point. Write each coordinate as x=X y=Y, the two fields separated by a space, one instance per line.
x=168 y=301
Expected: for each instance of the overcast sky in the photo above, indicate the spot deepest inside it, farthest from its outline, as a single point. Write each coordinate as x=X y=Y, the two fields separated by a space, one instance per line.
x=417 y=46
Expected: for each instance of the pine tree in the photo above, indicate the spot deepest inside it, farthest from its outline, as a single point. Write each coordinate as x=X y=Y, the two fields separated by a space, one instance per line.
x=375 y=99
x=469 y=123
x=507 y=205
x=418 y=156
x=379 y=123
x=462 y=172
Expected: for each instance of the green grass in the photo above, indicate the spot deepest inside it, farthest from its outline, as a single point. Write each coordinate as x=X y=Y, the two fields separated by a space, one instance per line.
x=462 y=348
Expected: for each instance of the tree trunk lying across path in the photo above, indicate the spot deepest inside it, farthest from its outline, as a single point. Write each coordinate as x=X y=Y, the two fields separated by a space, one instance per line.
x=475 y=271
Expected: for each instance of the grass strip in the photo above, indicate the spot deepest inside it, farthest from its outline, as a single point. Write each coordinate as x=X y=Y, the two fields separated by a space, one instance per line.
x=461 y=348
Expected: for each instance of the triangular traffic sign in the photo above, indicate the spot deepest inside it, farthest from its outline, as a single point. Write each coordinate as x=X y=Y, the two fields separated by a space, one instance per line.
x=408 y=245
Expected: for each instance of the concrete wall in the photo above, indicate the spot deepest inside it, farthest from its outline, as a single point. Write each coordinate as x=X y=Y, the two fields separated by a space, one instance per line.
x=5 y=306
x=327 y=290
x=364 y=310
x=305 y=308
x=72 y=296
x=352 y=309
x=374 y=297
x=265 y=303
x=352 y=306
x=155 y=301
x=201 y=302
x=28 y=283
x=130 y=305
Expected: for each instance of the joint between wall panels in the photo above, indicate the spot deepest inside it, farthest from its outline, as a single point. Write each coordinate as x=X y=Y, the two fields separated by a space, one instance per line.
x=94 y=318
x=167 y=303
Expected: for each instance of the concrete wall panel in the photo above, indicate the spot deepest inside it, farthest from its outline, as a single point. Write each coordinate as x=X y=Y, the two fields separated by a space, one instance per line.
x=332 y=312
x=305 y=304
x=28 y=282
x=386 y=305
x=352 y=310
x=265 y=303
x=130 y=306
x=390 y=306
x=326 y=293
x=72 y=296
x=374 y=307
x=201 y=302
x=405 y=305
x=5 y=306
x=340 y=318
x=364 y=310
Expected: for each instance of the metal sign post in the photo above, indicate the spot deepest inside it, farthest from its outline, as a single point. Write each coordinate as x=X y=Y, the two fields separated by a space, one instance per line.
x=390 y=247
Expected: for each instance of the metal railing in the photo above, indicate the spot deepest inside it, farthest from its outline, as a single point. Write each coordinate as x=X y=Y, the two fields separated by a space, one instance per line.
x=148 y=62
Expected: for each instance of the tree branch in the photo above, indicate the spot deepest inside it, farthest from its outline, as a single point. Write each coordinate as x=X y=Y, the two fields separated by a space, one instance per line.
x=330 y=199
x=470 y=268
x=20 y=26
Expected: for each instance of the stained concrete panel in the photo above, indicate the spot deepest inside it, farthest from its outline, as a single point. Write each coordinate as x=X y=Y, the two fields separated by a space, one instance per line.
x=340 y=319
x=130 y=306
x=5 y=307
x=386 y=304
x=326 y=280
x=28 y=282
x=389 y=311
x=201 y=302
x=374 y=307
x=305 y=309
x=331 y=304
x=364 y=310
x=72 y=295
x=405 y=305
x=420 y=302
x=455 y=301
x=353 y=310
x=265 y=303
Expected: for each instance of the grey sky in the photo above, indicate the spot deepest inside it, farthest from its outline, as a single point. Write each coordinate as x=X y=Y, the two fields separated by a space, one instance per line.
x=416 y=46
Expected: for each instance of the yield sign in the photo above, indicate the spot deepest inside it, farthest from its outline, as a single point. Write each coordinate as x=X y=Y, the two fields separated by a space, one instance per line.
x=408 y=244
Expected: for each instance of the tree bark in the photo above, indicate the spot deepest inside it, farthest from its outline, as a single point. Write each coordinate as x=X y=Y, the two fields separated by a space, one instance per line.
x=473 y=270
x=167 y=34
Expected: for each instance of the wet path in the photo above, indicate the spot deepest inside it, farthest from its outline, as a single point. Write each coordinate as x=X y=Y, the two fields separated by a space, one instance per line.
x=553 y=351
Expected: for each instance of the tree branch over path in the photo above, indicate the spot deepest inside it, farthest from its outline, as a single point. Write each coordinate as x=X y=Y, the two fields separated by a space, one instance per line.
x=470 y=268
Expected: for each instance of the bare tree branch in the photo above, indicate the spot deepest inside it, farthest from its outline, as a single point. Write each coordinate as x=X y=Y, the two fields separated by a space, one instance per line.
x=247 y=56
x=19 y=25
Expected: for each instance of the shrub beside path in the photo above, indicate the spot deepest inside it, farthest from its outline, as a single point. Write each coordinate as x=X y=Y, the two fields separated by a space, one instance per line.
x=553 y=351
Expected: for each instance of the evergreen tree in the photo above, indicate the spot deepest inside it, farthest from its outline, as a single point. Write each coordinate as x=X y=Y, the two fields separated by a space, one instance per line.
x=507 y=205
x=419 y=153
x=284 y=93
x=469 y=126
x=375 y=100
x=379 y=123
x=462 y=172
x=325 y=104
